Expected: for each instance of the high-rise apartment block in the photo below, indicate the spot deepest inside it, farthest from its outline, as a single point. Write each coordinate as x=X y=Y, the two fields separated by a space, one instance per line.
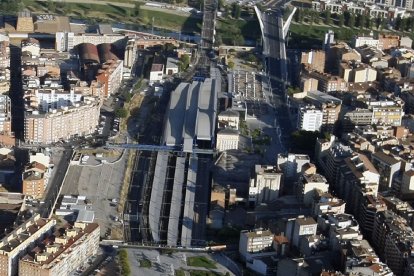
x=20 y=240
x=61 y=253
x=254 y=241
x=310 y=118
x=265 y=186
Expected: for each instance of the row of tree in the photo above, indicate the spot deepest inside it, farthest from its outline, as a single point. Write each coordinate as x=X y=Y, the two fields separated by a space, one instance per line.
x=352 y=20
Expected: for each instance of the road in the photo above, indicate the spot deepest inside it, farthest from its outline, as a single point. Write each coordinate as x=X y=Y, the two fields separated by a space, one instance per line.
x=55 y=184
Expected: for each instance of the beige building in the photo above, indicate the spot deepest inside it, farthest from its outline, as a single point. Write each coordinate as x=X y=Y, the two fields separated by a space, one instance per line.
x=308 y=84
x=46 y=128
x=315 y=60
x=265 y=186
x=20 y=240
x=310 y=185
x=227 y=139
x=254 y=241
x=35 y=179
x=388 y=41
x=110 y=76
x=387 y=112
x=68 y=251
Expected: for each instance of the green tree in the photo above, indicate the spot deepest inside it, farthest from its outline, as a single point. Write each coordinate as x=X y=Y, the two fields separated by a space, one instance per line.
x=230 y=65
x=221 y=4
x=383 y=23
x=236 y=11
x=137 y=9
x=398 y=23
x=51 y=6
x=360 y=21
x=351 y=21
x=328 y=18
x=251 y=58
x=184 y=62
x=121 y=112
x=341 y=20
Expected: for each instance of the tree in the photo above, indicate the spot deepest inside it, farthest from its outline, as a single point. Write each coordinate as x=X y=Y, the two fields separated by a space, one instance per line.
x=341 y=20
x=236 y=11
x=230 y=65
x=360 y=21
x=184 y=62
x=121 y=112
x=51 y=6
x=251 y=58
x=328 y=18
x=137 y=9
x=351 y=21
x=397 y=24
x=221 y=4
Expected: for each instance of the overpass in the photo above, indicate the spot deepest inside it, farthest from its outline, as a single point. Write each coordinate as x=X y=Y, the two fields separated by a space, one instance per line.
x=274 y=33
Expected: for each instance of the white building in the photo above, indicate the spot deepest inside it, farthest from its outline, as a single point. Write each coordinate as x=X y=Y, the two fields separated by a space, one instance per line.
x=254 y=242
x=66 y=41
x=156 y=73
x=172 y=66
x=310 y=118
x=292 y=164
x=359 y=41
x=229 y=118
x=265 y=186
x=227 y=139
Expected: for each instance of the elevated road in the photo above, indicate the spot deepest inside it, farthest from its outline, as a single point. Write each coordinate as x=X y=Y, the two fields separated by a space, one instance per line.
x=274 y=32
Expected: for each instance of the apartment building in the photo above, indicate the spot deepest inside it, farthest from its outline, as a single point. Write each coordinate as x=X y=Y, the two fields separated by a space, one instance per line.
x=300 y=227
x=5 y=115
x=265 y=185
x=386 y=42
x=229 y=118
x=4 y=54
x=315 y=60
x=79 y=119
x=327 y=82
x=330 y=106
x=35 y=179
x=393 y=238
x=254 y=241
x=309 y=186
x=388 y=168
x=310 y=118
x=387 y=112
x=357 y=72
x=61 y=253
x=227 y=139
x=20 y=240
x=110 y=76
x=359 y=41
x=292 y=164
x=308 y=84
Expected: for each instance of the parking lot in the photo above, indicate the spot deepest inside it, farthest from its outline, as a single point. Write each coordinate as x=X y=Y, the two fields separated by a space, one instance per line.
x=100 y=182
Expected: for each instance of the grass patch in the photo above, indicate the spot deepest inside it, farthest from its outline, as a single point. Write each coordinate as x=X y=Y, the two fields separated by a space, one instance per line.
x=204 y=273
x=179 y=272
x=170 y=21
x=228 y=29
x=112 y=13
x=124 y=263
x=201 y=261
x=145 y=263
